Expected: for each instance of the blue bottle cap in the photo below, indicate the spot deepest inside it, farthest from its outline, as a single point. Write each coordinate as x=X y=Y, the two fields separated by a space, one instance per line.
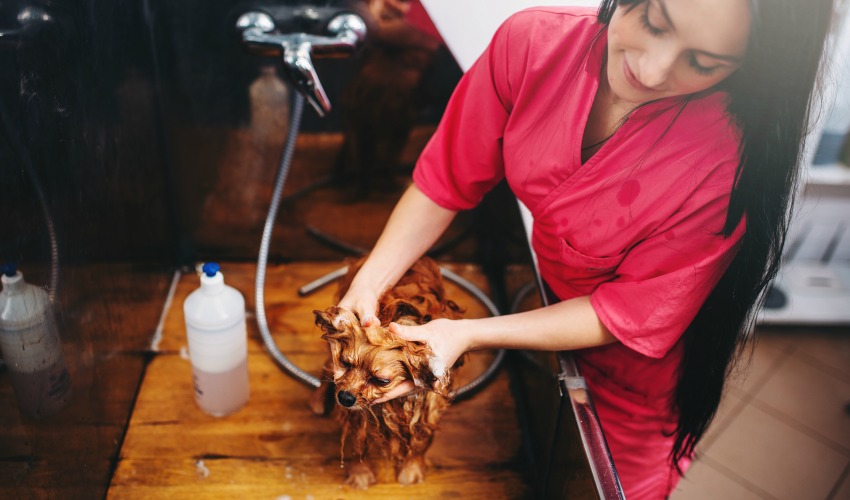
x=9 y=269
x=210 y=268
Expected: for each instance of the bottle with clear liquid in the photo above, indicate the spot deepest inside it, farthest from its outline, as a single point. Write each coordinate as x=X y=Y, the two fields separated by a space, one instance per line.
x=31 y=347
x=218 y=344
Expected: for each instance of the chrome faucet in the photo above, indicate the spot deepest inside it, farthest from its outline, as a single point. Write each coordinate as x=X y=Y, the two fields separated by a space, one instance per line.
x=297 y=50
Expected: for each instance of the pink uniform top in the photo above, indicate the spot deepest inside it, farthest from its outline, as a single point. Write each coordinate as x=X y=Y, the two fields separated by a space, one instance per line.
x=636 y=227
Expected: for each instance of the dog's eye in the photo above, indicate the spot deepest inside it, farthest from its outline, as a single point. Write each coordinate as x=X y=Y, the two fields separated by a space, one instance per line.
x=380 y=382
x=345 y=363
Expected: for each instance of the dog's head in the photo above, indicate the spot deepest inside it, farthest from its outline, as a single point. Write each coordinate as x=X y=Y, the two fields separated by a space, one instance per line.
x=368 y=362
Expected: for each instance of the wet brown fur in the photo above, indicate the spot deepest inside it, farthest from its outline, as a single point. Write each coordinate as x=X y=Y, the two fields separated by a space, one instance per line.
x=359 y=357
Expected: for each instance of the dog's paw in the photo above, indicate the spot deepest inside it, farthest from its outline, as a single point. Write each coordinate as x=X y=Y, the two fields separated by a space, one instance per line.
x=360 y=476
x=412 y=472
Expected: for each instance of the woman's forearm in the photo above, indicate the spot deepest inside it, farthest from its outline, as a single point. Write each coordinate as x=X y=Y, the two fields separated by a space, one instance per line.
x=571 y=324
x=413 y=227
x=568 y=325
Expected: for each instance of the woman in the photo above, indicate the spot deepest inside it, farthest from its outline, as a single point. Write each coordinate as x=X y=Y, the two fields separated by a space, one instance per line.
x=656 y=143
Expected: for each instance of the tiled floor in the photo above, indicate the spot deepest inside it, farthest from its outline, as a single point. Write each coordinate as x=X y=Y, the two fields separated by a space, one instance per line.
x=783 y=430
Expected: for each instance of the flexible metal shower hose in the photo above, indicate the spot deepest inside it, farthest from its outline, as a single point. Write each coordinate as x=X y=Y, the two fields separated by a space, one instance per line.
x=262 y=260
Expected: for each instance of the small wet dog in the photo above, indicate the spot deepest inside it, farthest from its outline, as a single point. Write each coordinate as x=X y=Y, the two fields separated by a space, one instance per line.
x=367 y=362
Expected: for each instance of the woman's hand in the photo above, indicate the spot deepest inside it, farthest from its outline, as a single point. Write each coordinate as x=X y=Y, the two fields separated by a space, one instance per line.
x=414 y=225
x=364 y=302
x=443 y=336
x=446 y=340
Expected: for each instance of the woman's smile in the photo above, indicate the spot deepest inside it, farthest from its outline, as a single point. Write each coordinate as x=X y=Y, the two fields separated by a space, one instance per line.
x=632 y=79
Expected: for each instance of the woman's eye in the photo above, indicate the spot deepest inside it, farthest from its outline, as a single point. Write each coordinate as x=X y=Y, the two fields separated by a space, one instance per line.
x=380 y=382
x=699 y=68
x=651 y=28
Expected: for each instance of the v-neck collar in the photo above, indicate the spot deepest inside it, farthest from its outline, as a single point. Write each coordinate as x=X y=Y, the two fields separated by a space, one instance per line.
x=593 y=66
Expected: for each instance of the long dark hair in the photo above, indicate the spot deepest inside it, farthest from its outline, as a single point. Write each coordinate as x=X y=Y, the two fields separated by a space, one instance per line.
x=770 y=97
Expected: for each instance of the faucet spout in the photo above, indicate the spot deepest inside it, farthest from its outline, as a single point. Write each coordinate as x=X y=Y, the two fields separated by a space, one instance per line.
x=297 y=50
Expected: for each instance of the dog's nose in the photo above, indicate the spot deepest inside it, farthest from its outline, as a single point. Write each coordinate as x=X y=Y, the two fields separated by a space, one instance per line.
x=346 y=399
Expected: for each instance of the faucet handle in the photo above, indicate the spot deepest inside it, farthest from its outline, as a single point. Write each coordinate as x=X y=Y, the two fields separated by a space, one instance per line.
x=347 y=31
x=257 y=21
x=348 y=27
x=257 y=31
x=299 y=67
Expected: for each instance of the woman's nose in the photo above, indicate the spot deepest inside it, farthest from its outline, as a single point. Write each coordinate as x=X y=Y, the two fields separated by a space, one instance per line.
x=656 y=66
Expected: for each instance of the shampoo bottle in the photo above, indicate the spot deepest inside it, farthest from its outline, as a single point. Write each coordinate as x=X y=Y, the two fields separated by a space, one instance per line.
x=31 y=348
x=218 y=344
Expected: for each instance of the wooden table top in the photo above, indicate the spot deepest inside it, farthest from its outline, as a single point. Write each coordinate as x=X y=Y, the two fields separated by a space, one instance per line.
x=275 y=447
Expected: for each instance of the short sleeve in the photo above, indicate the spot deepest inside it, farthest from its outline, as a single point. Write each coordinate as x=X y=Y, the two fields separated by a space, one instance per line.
x=664 y=280
x=463 y=159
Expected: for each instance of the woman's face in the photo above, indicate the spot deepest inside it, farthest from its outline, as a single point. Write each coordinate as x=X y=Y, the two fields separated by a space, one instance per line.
x=665 y=48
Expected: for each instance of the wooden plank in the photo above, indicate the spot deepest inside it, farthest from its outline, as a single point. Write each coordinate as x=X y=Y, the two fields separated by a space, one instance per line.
x=276 y=422
x=274 y=446
x=289 y=315
x=241 y=478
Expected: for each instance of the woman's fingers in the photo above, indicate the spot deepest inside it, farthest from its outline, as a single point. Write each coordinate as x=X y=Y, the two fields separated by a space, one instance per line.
x=363 y=306
x=401 y=389
x=406 y=332
x=369 y=319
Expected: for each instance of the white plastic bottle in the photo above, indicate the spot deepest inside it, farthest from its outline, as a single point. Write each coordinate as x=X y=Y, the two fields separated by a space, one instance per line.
x=218 y=344
x=31 y=347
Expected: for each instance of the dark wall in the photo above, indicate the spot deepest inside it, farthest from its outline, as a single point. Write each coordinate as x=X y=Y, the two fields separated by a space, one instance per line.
x=85 y=206
x=79 y=124
x=139 y=122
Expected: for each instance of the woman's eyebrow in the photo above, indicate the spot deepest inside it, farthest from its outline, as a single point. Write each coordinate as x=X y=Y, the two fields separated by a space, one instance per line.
x=730 y=59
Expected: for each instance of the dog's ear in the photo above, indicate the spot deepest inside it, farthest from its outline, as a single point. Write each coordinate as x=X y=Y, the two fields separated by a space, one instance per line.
x=334 y=336
x=335 y=320
x=325 y=319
